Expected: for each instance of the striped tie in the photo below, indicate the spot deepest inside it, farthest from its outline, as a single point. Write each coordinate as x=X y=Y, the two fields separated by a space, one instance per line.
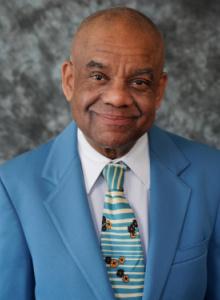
x=120 y=239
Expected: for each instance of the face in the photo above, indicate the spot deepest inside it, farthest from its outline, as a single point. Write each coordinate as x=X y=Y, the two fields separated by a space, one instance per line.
x=114 y=86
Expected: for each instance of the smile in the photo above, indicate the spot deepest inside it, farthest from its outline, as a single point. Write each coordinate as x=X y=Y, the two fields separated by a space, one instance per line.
x=116 y=120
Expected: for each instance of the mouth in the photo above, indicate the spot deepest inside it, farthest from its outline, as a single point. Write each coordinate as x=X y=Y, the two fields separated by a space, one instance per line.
x=116 y=120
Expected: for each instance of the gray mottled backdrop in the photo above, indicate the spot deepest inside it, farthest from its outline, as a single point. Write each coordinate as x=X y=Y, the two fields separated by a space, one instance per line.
x=34 y=40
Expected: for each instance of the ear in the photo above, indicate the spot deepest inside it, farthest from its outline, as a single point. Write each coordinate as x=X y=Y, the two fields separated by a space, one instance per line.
x=161 y=89
x=68 y=79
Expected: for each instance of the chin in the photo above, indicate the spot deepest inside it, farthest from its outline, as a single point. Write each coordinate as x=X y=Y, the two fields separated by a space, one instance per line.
x=115 y=143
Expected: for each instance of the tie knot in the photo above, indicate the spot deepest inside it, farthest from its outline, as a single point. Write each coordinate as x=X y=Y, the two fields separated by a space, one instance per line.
x=114 y=176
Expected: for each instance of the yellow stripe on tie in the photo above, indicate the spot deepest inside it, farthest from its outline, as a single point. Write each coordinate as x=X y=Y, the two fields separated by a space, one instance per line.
x=115 y=193
x=117 y=211
x=122 y=221
x=115 y=233
x=119 y=178
x=116 y=200
x=113 y=179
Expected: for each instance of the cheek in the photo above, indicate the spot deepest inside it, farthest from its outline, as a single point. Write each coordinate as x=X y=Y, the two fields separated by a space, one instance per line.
x=148 y=110
x=80 y=102
x=80 y=109
x=148 y=107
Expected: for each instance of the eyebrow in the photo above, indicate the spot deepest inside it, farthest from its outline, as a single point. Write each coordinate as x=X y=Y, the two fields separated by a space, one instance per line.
x=137 y=72
x=94 y=64
x=145 y=71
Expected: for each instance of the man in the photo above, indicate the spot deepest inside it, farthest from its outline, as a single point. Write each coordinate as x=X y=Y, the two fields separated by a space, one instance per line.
x=51 y=199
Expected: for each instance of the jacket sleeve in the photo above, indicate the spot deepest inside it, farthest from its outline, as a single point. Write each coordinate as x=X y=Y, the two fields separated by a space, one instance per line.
x=213 y=289
x=16 y=271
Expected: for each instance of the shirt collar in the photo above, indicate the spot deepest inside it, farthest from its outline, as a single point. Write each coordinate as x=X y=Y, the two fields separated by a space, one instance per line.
x=137 y=159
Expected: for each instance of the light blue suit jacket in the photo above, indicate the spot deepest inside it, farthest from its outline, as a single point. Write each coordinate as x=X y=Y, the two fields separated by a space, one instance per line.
x=49 y=249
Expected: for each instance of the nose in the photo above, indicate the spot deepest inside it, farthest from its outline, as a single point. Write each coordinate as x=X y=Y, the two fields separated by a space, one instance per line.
x=117 y=94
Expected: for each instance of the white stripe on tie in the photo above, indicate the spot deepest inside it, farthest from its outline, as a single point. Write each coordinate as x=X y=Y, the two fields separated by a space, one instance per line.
x=131 y=287
x=115 y=233
x=131 y=279
x=118 y=240
x=122 y=221
x=115 y=201
x=132 y=295
x=118 y=245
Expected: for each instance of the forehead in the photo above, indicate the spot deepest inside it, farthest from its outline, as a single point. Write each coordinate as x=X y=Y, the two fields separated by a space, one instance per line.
x=119 y=34
x=109 y=48
x=109 y=55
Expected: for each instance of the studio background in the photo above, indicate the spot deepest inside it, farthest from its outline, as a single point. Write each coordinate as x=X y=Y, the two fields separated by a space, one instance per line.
x=34 y=41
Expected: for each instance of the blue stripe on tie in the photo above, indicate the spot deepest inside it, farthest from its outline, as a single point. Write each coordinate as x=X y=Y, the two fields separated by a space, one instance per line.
x=116 y=206
x=119 y=247
x=131 y=276
x=115 y=237
x=118 y=281
x=118 y=231
x=125 y=224
x=119 y=217
x=129 y=241
x=133 y=290
x=113 y=197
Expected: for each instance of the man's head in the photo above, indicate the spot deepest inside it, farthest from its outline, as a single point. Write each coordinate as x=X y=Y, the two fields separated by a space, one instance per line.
x=115 y=80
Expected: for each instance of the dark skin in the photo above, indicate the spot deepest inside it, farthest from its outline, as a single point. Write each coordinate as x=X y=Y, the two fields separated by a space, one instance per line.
x=114 y=83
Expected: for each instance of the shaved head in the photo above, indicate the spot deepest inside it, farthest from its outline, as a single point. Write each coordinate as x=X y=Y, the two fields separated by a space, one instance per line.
x=132 y=16
x=118 y=18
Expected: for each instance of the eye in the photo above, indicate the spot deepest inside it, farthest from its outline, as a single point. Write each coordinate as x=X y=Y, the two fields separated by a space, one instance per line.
x=98 y=76
x=141 y=84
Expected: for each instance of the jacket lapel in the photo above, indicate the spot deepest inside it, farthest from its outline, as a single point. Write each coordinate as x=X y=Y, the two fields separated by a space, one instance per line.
x=67 y=206
x=169 y=199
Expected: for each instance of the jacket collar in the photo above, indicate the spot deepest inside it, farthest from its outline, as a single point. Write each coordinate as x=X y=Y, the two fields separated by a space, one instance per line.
x=166 y=151
x=64 y=151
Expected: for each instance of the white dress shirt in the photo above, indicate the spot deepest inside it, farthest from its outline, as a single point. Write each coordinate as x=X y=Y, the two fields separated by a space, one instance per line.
x=136 y=181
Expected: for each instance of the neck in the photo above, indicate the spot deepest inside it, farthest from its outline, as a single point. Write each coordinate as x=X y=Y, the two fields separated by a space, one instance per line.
x=111 y=153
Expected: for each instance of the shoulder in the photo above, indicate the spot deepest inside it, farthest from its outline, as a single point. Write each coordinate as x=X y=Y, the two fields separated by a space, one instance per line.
x=170 y=145
x=30 y=161
x=31 y=164
x=194 y=149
